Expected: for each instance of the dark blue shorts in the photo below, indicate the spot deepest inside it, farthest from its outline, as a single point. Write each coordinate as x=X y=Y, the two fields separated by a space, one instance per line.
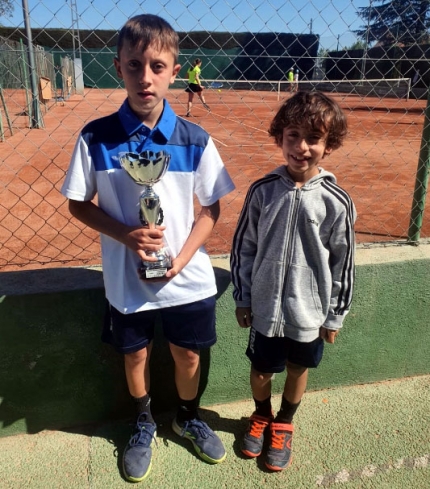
x=270 y=355
x=190 y=326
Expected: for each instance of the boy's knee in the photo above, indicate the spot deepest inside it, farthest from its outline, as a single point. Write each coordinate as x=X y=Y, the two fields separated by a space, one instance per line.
x=296 y=370
x=261 y=376
x=136 y=357
x=185 y=357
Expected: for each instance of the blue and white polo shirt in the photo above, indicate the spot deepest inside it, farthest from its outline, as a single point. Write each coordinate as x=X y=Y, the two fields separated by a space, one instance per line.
x=195 y=168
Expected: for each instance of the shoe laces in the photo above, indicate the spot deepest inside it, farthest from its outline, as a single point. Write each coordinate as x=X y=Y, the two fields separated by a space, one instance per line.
x=144 y=432
x=257 y=427
x=197 y=425
x=278 y=439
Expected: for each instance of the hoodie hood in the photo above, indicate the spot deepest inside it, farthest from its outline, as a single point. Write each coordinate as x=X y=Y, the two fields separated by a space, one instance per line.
x=323 y=175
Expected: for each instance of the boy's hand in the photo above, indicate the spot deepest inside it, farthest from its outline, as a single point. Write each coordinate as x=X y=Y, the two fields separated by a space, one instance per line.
x=328 y=335
x=244 y=316
x=143 y=239
x=177 y=266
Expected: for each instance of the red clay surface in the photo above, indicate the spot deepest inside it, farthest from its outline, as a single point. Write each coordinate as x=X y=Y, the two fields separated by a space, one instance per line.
x=376 y=165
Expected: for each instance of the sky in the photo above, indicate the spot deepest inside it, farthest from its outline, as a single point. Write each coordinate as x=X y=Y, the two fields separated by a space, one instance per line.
x=332 y=20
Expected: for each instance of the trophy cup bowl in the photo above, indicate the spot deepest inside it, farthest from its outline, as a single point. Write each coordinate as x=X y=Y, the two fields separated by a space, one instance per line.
x=146 y=169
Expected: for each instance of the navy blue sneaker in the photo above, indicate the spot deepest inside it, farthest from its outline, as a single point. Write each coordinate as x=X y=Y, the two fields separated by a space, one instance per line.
x=279 y=453
x=206 y=443
x=136 y=461
x=252 y=443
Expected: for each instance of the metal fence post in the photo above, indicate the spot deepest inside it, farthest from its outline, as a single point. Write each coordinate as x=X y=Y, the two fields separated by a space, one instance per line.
x=36 y=116
x=421 y=182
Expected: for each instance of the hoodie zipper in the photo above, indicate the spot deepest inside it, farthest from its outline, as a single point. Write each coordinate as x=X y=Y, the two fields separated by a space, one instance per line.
x=291 y=228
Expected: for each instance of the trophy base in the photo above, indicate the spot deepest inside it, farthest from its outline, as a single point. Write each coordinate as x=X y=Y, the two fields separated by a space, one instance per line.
x=155 y=269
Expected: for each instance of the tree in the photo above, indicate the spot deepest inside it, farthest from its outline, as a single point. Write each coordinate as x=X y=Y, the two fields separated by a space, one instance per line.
x=322 y=53
x=356 y=45
x=395 y=22
x=6 y=7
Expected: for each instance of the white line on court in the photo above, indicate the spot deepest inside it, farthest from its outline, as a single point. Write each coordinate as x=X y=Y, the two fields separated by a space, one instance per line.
x=238 y=121
x=371 y=470
x=245 y=125
x=253 y=145
x=220 y=142
x=242 y=145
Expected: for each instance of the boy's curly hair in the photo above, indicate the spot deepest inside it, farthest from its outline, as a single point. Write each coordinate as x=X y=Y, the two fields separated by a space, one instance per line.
x=314 y=111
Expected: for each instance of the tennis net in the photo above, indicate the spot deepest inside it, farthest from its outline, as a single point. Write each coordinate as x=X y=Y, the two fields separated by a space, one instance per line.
x=378 y=88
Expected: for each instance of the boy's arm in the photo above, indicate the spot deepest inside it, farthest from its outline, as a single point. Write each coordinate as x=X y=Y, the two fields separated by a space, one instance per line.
x=244 y=250
x=139 y=239
x=342 y=256
x=201 y=231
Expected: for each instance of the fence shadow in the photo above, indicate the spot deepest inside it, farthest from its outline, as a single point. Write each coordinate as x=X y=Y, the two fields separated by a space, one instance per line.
x=55 y=373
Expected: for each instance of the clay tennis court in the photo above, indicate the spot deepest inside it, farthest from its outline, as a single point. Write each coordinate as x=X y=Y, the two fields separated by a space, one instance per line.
x=376 y=165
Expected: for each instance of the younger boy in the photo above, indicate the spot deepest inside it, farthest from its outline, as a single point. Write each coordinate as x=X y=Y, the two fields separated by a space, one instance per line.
x=146 y=61
x=292 y=266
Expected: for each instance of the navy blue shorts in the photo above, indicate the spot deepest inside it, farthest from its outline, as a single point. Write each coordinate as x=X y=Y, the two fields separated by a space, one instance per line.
x=270 y=355
x=190 y=326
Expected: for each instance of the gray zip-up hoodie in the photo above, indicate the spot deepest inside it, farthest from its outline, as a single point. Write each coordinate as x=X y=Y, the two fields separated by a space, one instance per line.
x=292 y=258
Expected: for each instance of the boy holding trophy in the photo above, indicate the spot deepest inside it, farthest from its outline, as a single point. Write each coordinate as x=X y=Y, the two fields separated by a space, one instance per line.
x=292 y=267
x=154 y=262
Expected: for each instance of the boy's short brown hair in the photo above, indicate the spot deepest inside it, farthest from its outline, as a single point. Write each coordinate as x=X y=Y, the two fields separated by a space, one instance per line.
x=145 y=30
x=312 y=110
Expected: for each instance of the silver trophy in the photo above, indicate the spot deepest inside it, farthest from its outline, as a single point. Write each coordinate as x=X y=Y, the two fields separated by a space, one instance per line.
x=147 y=168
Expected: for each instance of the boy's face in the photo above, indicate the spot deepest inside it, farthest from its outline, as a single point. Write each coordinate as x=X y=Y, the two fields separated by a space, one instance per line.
x=303 y=149
x=147 y=76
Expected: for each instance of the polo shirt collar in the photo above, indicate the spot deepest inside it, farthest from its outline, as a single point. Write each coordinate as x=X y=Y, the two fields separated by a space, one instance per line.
x=132 y=124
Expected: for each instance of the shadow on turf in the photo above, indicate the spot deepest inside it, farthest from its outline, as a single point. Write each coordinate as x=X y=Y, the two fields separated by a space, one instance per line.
x=118 y=433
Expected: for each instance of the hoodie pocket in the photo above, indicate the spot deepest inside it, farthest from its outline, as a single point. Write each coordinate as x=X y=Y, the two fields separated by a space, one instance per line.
x=266 y=289
x=302 y=302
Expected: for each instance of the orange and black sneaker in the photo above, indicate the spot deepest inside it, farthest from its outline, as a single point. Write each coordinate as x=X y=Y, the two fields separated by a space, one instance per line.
x=252 y=443
x=279 y=453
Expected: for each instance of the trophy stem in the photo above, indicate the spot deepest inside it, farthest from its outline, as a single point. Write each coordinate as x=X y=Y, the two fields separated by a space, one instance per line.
x=150 y=207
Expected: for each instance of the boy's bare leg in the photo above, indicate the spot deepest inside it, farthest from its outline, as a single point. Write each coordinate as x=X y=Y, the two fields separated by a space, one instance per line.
x=261 y=384
x=137 y=371
x=295 y=383
x=187 y=371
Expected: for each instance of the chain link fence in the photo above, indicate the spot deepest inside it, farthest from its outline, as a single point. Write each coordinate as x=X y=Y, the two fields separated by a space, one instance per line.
x=247 y=50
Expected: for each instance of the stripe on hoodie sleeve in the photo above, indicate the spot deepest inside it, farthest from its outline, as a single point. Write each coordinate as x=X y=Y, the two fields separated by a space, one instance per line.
x=348 y=271
x=236 y=259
